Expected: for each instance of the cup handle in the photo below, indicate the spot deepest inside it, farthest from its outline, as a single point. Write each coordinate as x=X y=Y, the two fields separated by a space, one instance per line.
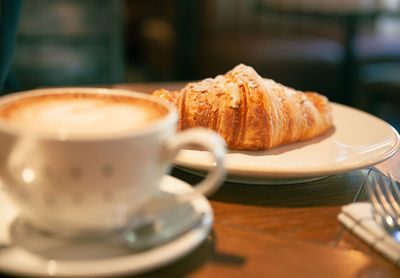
x=210 y=141
x=149 y=216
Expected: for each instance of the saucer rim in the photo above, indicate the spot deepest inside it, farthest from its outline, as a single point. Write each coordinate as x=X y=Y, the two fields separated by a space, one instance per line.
x=136 y=263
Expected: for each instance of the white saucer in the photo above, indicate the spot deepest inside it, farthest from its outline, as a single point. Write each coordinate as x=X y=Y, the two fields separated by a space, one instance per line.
x=59 y=258
x=357 y=140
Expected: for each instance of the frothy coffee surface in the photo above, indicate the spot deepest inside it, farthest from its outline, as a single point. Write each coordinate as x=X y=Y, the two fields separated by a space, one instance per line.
x=81 y=113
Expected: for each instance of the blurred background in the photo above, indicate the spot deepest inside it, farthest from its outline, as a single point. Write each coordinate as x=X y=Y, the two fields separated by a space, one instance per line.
x=348 y=50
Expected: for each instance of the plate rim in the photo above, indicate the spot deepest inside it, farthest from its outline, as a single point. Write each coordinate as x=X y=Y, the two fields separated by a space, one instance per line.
x=235 y=170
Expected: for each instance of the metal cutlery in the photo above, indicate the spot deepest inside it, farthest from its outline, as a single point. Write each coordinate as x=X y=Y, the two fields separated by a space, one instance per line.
x=384 y=194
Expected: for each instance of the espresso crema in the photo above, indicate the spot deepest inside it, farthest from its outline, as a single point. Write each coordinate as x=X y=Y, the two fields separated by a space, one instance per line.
x=81 y=113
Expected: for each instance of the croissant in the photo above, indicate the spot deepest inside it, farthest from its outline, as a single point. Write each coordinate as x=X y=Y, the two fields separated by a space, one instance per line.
x=250 y=112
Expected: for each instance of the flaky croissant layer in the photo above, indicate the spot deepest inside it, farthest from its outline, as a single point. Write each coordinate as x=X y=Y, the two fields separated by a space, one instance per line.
x=250 y=112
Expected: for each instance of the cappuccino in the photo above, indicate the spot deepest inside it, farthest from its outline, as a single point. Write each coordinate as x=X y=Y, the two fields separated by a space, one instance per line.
x=83 y=161
x=81 y=113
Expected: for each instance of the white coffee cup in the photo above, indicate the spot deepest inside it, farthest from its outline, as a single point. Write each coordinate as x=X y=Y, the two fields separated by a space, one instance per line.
x=85 y=160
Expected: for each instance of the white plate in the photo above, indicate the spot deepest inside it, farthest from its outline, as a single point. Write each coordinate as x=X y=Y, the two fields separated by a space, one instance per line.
x=92 y=258
x=357 y=140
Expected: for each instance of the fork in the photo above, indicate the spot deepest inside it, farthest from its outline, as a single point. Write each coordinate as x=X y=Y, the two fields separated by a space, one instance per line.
x=384 y=195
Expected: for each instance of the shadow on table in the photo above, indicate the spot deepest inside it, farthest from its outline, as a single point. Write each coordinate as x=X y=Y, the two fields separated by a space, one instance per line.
x=333 y=190
x=206 y=252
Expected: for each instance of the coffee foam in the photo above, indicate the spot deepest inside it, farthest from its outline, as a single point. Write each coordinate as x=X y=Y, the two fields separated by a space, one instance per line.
x=82 y=113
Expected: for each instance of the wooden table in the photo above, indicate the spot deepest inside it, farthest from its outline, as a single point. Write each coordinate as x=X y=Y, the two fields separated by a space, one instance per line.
x=281 y=231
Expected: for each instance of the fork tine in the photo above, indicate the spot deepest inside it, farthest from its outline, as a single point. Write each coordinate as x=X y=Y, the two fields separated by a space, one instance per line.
x=395 y=187
x=378 y=190
x=393 y=200
x=382 y=210
x=372 y=196
x=387 y=206
x=376 y=206
x=391 y=218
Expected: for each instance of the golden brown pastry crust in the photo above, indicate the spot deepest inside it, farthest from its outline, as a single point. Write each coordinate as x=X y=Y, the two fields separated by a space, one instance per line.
x=250 y=112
